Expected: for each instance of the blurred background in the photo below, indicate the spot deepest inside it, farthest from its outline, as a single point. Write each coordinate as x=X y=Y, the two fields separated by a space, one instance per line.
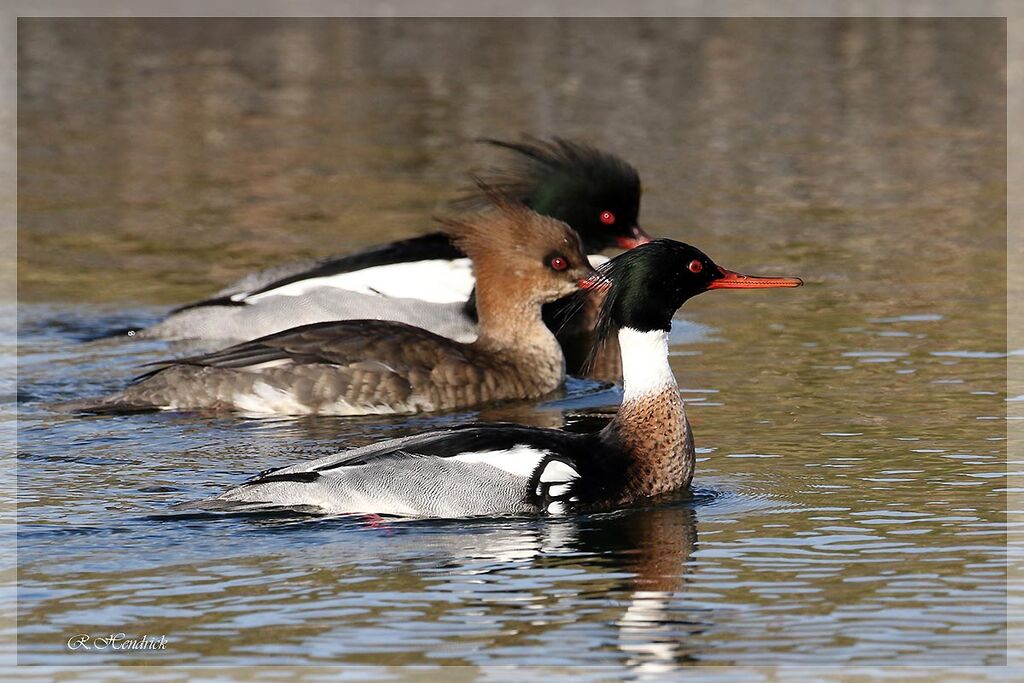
x=851 y=486
x=160 y=158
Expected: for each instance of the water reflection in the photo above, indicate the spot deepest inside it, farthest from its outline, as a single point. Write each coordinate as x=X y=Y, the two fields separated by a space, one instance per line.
x=655 y=547
x=854 y=434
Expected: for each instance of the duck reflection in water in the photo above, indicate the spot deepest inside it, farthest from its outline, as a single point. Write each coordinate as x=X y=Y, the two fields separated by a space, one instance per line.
x=654 y=545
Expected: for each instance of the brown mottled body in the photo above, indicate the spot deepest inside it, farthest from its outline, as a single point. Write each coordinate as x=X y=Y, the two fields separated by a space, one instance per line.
x=355 y=367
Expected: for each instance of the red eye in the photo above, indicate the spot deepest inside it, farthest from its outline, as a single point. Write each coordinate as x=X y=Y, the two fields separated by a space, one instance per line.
x=695 y=266
x=607 y=217
x=559 y=263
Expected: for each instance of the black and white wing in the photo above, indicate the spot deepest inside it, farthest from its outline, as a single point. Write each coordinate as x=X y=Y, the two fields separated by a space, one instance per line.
x=350 y=271
x=458 y=472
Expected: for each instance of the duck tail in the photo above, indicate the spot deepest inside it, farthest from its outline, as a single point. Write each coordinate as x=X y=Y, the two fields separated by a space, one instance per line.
x=117 y=404
x=220 y=505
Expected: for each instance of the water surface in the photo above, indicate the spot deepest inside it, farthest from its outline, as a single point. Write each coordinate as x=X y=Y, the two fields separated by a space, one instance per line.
x=849 y=503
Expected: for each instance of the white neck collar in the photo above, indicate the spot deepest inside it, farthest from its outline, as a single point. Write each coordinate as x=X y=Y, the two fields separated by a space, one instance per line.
x=645 y=367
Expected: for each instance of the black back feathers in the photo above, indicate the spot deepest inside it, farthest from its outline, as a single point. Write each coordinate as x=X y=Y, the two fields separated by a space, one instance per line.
x=595 y=192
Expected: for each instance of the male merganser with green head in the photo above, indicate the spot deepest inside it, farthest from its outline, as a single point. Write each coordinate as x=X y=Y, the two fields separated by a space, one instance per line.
x=505 y=469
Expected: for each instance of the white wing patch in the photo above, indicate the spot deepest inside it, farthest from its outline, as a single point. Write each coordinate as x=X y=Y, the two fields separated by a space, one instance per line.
x=555 y=482
x=557 y=471
x=519 y=460
x=435 y=280
x=558 y=491
x=440 y=281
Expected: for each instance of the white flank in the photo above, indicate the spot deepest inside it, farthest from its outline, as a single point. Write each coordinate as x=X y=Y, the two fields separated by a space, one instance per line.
x=519 y=461
x=645 y=368
x=343 y=407
x=436 y=280
x=268 y=400
x=381 y=502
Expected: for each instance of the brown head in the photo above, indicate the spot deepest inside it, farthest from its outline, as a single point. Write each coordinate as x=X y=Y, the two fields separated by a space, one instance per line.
x=520 y=256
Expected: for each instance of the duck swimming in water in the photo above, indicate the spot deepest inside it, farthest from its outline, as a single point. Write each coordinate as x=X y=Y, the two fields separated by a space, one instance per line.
x=505 y=469
x=427 y=281
x=359 y=367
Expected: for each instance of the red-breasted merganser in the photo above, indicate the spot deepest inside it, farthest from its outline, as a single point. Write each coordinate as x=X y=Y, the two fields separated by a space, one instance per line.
x=506 y=469
x=427 y=281
x=359 y=367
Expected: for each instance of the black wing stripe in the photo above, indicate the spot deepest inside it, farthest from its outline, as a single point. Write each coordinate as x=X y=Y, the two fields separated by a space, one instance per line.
x=269 y=348
x=425 y=247
x=217 y=301
x=380 y=456
x=467 y=438
x=301 y=477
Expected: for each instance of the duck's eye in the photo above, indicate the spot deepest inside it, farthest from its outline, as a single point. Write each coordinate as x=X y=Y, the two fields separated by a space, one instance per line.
x=695 y=266
x=607 y=217
x=559 y=263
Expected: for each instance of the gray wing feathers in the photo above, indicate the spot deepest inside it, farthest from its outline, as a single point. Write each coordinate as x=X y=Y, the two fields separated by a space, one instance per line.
x=262 y=278
x=278 y=313
x=424 y=486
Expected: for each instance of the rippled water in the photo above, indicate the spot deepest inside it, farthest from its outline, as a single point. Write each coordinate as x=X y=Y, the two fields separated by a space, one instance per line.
x=849 y=503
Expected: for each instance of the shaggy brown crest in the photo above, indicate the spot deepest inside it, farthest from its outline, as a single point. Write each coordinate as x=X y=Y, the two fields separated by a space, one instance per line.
x=521 y=259
x=512 y=231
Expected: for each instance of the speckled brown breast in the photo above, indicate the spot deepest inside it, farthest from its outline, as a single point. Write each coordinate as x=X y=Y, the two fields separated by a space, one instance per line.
x=655 y=432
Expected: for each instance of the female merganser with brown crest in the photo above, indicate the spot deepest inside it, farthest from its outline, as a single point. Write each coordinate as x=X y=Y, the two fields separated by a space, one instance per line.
x=427 y=281
x=505 y=469
x=359 y=367
x=522 y=259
